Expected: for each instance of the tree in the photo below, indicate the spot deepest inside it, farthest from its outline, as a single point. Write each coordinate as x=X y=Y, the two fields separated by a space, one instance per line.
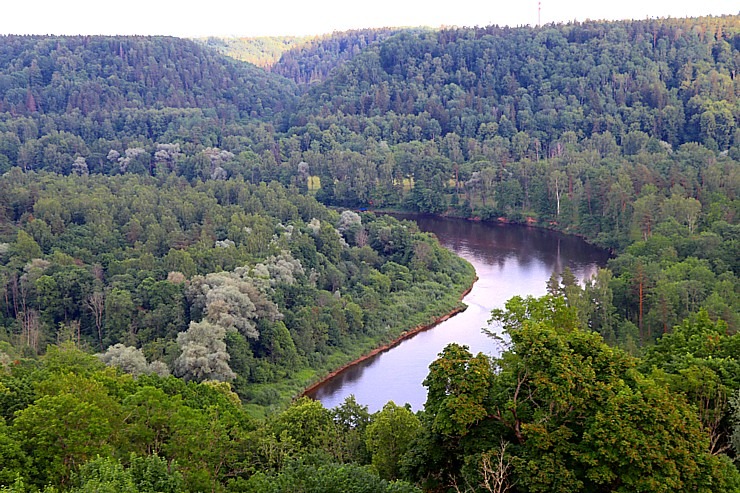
x=350 y=225
x=232 y=300
x=557 y=182
x=307 y=423
x=61 y=432
x=323 y=478
x=79 y=166
x=578 y=414
x=602 y=317
x=131 y=360
x=127 y=358
x=698 y=359
x=149 y=413
x=684 y=210
x=208 y=444
x=119 y=310
x=95 y=302
x=351 y=420
x=457 y=384
x=154 y=474
x=25 y=247
x=644 y=216
x=203 y=353
x=388 y=436
x=103 y=475
x=735 y=436
x=149 y=474
x=13 y=461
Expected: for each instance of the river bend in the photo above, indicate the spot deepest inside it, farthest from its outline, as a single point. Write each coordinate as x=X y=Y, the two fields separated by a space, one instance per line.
x=509 y=260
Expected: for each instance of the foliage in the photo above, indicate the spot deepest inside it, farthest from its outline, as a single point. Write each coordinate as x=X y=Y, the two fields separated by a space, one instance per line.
x=284 y=297
x=388 y=437
x=93 y=428
x=578 y=414
x=204 y=355
x=324 y=479
x=130 y=360
x=699 y=359
x=157 y=202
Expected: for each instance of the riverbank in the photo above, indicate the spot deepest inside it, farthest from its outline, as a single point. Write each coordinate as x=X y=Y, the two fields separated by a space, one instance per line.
x=396 y=341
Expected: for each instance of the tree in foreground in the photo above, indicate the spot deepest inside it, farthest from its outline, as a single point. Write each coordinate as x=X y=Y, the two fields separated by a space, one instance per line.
x=559 y=411
x=388 y=437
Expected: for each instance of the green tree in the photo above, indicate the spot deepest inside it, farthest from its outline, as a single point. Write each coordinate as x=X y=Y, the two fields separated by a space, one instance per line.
x=103 y=475
x=61 y=432
x=148 y=424
x=457 y=388
x=25 y=247
x=388 y=437
x=154 y=474
x=325 y=478
x=14 y=461
x=698 y=359
x=351 y=420
x=149 y=474
x=119 y=312
x=579 y=415
x=306 y=422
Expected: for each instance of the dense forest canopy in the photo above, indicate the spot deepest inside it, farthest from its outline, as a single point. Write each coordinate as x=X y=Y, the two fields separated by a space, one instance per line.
x=163 y=266
x=95 y=74
x=164 y=206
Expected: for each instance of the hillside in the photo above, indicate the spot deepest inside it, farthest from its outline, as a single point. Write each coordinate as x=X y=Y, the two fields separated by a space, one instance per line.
x=658 y=76
x=55 y=75
x=622 y=131
x=305 y=59
x=315 y=59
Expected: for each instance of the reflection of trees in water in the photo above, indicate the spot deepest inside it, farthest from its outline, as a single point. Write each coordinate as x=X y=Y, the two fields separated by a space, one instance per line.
x=347 y=376
x=496 y=244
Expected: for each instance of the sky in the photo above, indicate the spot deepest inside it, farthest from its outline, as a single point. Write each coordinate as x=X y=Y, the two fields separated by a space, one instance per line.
x=247 y=18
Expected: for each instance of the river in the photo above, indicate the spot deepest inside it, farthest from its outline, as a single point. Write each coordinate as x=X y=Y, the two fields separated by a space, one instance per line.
x=509 y=260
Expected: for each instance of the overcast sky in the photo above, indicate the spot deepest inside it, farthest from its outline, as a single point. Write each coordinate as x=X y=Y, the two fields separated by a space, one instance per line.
x=189 y=18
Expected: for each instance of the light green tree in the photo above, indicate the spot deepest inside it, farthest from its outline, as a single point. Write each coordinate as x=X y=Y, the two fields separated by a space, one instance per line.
x=388 y=437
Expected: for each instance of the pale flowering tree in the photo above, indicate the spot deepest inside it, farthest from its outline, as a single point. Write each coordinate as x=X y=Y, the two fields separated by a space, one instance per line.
x=203 y=353
x=232 y=301
x=166 y=156
x=79 y=167
x=132 y=360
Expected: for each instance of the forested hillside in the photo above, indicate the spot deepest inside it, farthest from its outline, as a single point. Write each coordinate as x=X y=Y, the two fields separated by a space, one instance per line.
x=99 y=75
x=266 y=281
x=306 y=59
x=624 y=132
x=314 y=60
x=163 y=206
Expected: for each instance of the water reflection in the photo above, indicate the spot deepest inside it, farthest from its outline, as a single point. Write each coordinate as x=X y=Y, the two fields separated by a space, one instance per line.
x=509 y=260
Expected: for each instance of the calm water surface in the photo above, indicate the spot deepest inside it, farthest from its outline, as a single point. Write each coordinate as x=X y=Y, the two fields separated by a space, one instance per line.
x=509 y=260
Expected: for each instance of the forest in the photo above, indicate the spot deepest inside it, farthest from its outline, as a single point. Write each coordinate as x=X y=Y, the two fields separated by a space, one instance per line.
x=184 y=247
